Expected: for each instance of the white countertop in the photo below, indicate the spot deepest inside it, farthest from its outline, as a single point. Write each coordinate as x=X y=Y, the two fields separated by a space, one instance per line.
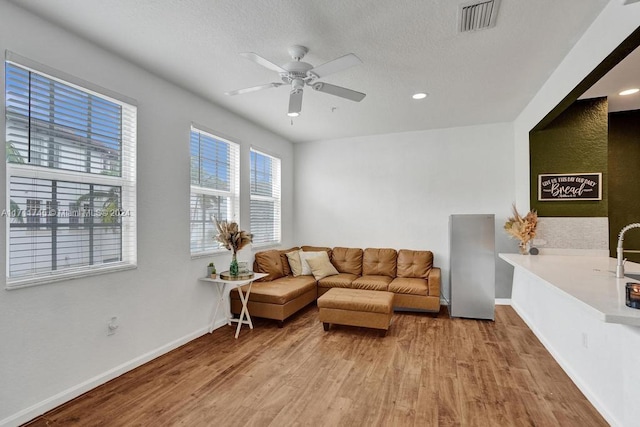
x=589 y=279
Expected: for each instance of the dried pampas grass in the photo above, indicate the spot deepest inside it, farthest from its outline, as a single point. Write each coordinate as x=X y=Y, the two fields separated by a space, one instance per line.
x=521 y=227
x=230 y=235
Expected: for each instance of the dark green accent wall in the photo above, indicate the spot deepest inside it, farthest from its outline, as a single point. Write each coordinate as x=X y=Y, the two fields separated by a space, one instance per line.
x=624 y=179
x=574 y=142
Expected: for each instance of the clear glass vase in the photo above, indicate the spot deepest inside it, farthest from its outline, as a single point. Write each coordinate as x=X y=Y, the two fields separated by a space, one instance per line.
x=524 y=248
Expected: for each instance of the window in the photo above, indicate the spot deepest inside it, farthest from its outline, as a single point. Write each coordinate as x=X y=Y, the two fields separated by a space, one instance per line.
x=70 y=152
x=33 y=211
x=265 y=198
x=215 y=170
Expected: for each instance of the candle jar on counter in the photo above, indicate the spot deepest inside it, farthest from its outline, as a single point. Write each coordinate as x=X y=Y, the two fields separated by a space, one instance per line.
x=633 y=295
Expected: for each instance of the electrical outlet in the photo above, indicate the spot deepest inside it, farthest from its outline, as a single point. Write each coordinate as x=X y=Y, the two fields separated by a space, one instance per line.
x=112 y=326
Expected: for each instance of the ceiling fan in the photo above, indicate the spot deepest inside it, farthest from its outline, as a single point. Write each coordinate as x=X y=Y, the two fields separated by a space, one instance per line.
x=298 y=74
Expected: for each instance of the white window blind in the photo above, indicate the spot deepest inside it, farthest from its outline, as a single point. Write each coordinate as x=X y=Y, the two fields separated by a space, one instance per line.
x=71 y=166
x=215 y=169
x=265 y=198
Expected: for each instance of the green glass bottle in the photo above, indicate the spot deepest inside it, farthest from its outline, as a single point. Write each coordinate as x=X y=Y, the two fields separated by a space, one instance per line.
x=233 y=268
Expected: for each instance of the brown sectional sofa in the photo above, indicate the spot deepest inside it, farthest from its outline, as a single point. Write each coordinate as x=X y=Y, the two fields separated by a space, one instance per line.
x=409 y=274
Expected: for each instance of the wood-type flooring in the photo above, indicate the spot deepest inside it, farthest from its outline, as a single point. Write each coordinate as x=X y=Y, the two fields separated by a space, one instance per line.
x=426 y=372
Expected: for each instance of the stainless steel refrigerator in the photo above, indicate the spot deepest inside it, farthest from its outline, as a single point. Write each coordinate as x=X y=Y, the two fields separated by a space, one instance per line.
x=472 y=266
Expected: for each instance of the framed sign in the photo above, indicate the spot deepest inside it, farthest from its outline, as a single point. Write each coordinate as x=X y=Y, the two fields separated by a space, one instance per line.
x=569 y=186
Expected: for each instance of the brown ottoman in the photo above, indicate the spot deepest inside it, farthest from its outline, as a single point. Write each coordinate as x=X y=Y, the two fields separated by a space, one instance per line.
x=356 y=307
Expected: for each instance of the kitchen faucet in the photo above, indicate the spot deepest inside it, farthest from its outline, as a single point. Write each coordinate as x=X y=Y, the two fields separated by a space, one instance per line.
x=620 y=250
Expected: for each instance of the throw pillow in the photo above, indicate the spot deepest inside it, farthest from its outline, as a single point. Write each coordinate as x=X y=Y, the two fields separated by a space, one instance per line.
x=321 y=267
x=294 y=262
x=304 y=256
x=286 y=268
x=269 y=262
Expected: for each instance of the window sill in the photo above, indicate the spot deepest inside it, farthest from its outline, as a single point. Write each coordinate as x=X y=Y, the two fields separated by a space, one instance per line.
x=217 y=252
x=60 y=277
x=264 y=246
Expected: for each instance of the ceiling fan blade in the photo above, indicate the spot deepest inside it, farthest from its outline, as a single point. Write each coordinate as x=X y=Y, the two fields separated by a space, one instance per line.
x=338 y=64
x=264 y=62
x=295 y=101
x=253 y=89
x=342 y=92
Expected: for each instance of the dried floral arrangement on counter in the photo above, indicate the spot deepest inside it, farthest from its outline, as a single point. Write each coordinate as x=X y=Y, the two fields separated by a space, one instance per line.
x=522 y=228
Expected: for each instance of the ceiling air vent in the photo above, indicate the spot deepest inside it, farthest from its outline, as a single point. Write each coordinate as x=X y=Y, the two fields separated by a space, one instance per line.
x=478 y=15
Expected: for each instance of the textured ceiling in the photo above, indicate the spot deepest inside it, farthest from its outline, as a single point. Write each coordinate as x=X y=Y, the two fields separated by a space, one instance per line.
x=472 y=78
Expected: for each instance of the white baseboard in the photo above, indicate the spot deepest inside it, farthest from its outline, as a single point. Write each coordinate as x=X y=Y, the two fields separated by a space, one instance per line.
x=54 y=401
x=499 y=301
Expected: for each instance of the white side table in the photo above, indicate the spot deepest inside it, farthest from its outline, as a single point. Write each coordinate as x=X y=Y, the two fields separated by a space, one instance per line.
x=228 y=285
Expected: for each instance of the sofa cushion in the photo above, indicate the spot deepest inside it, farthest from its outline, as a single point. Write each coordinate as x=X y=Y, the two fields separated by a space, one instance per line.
x=269 y=262
x=414 y=263
x=347 y=260
x=321 y=267
x=286 y=268
x=317 y=249
x=279 y=291
x=372 y=282
x=342 y=280
x=379 y=262
x=407 y=285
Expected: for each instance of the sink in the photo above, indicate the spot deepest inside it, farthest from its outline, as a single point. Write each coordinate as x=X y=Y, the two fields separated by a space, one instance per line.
x=634 y=276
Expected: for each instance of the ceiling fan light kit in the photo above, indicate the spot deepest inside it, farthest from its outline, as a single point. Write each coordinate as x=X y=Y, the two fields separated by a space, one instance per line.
x=297 y=74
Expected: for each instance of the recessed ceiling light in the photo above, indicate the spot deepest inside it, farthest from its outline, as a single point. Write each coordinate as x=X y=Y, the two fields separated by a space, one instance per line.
x=293 y=114
x=629 y=91
x=419 y=95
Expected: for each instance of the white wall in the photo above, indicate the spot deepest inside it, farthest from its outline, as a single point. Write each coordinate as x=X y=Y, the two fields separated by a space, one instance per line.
x=53 y=342
x=616 y=22
x=398 y=190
